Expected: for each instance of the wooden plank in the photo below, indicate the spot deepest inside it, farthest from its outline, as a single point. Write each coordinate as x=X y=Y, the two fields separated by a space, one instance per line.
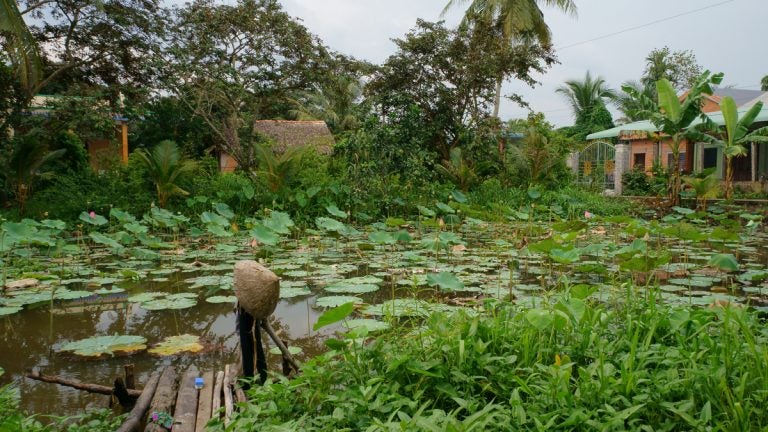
x=205 y=402
x=186 y=404
x=228 y=404
x=133 y=422
x=217 y=393
x=165 y=397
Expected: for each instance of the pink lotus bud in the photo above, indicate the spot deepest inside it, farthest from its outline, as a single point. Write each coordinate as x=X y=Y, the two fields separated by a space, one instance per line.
x=92 y=215
x=588 y=215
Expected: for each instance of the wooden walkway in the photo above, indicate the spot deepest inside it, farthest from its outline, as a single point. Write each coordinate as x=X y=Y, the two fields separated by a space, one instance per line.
x=171 y=399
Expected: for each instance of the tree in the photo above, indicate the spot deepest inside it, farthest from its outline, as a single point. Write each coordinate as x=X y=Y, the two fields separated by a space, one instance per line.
x=335 y=103
x=587 y=100
x=27 y=164
x=680 y=68
x=94 y=43
x=734 y=136
x=233 y=64
x=673 y=118
x=512 y=20
x=20 y=44
x=764 y=83
x=447 y=77
x=167 y=168
x=635 y=109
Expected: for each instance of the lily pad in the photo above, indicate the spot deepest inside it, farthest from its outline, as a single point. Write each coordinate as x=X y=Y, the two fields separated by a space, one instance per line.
x=221 y=299
x=177 y=344
x=294 y=350
x=291 y=292
x=334 y=301
x=106 y=345
x=347 y=288
x=371 y=324
x=172 y=301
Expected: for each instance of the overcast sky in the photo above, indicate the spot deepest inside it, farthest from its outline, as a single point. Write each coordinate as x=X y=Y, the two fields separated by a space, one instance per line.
x=730 y=37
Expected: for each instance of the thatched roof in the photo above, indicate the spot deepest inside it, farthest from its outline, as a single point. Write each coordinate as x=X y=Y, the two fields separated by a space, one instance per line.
x=294 y=133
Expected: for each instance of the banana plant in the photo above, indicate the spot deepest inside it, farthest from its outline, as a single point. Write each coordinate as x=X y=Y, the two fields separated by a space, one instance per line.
x=21 y=45
x=734 y=137
x=706 y=185
x=674 y=118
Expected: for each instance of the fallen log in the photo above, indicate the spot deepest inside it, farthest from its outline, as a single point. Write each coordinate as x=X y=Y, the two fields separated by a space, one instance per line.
x=134 y=420
x=88 y=387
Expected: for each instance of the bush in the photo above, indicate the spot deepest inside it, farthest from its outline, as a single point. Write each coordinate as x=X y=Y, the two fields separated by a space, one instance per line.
x=635 y=183
x=66 y=196
x=571 y=364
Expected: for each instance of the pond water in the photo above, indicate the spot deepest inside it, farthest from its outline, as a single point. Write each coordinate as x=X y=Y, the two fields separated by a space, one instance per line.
x=502 y=261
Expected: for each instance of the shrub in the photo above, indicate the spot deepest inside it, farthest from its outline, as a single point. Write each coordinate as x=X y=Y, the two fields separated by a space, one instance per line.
x=635 y=183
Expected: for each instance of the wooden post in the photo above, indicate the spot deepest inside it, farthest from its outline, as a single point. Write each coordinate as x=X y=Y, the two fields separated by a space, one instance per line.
x=217 y=393
x=228 y=404
x=133 y=422
x=753 y=155
x=124 y=140
x=130 y=379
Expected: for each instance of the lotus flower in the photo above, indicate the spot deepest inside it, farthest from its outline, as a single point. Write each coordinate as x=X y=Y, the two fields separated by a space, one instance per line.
x=92 y=214
x=588 y=215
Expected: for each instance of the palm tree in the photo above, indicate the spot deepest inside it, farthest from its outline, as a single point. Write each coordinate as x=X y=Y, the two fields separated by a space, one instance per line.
x=27 y=164
x=516 y=18
x=167 y=167
x=21 y=45
x=735 y=136
x=584 y=96
x=635 y=108
x=334 y=103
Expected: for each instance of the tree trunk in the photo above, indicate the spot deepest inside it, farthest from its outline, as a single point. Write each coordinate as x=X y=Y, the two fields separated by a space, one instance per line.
x=674 y=190
x=497 y=97
x=728 y=178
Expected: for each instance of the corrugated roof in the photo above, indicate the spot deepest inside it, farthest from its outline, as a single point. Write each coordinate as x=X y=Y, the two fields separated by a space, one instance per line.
x=647 y=126
x=740 y=96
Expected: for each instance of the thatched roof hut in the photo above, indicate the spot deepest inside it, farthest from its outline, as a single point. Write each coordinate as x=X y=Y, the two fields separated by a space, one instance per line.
x=288 y=134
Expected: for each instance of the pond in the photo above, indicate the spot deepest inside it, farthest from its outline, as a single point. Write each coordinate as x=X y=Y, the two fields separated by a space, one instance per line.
x=186 y=289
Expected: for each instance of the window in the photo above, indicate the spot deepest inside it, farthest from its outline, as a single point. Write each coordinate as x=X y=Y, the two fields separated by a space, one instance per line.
x=682 y=161
x=710 y=157
x=639 y=161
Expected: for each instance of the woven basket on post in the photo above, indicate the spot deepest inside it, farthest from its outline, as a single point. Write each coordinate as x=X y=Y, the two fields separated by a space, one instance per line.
x=257 y=289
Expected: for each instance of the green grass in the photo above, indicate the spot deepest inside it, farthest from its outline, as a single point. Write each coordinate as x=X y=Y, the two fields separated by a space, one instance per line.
x=572 y=364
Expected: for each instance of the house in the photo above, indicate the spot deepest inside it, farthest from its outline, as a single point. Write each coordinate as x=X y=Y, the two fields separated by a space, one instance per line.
x=288 y=134
x=638 y=145
x=101 y=152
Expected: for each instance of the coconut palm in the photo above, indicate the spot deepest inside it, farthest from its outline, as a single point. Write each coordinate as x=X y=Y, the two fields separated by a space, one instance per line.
x=635 y=108
x=516 y=18
x=167 y=167
x=334 y=103
x=21 y=45
x=584 y=96
x=734 y=137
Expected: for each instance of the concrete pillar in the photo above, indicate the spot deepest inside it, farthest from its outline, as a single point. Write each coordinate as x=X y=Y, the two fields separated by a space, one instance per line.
x=622 y=165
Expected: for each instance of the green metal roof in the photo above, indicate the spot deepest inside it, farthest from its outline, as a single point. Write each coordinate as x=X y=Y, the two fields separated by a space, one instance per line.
x=647 y=126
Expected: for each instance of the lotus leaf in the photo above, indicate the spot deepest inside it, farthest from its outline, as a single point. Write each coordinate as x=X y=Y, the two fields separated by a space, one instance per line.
x=221 y=299
x=335 y=301
x=109 y=345
x=294 y=350
x=446 y=281
x=370 y=324
x=173 y=345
